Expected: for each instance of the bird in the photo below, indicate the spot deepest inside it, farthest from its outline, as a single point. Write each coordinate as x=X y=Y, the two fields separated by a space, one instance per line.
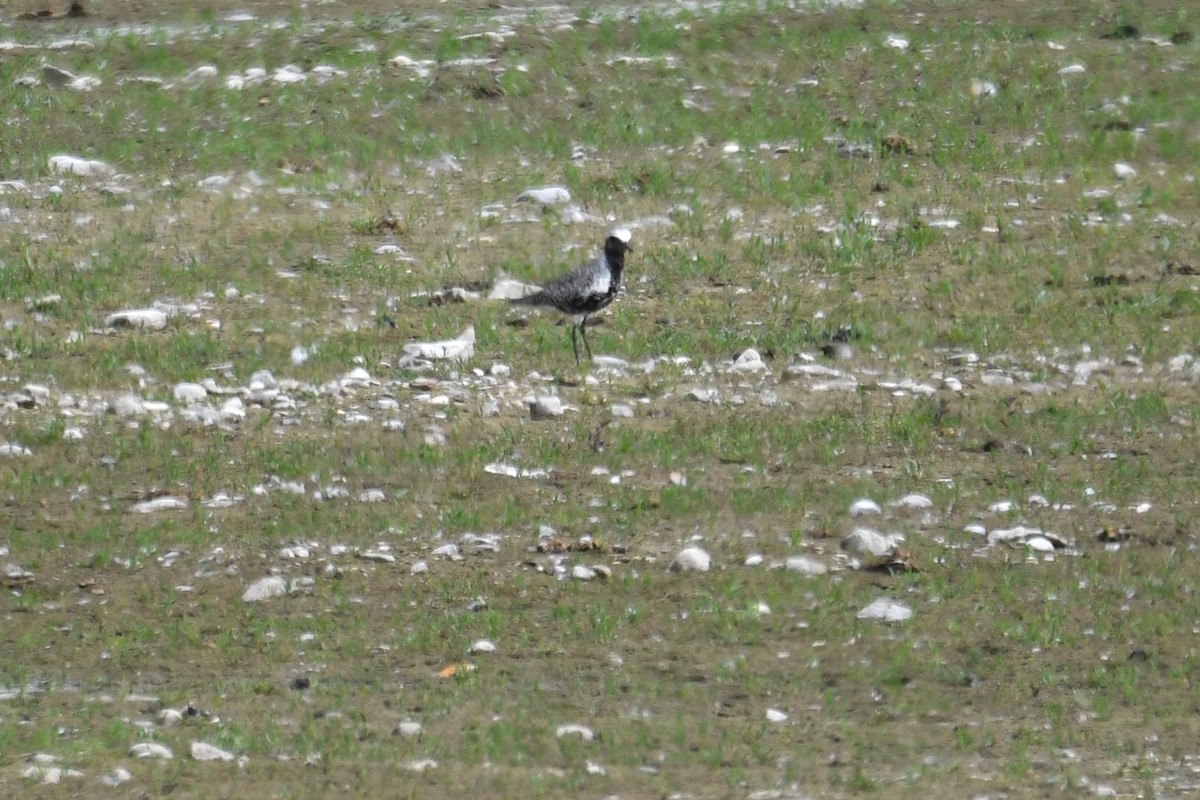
x=586 y=289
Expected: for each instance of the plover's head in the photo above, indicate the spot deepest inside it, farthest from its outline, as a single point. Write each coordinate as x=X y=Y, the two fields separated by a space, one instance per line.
x=619 y=239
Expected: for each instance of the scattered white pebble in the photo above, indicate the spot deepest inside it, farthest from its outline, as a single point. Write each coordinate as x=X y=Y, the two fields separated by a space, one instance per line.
x=805 y=566
x=913 y=501
x=861 y=508
x=775 y=715
x=84 y=167
x=1124 y=171
x=148 y=318
x=265 y=589
x=164 y=503
x=483 y=646
x=151 y=750
x=547 y=196
x=572 y=729
x=1073 y=69
x=203 y=751
x=691 y=559
x=885 y=609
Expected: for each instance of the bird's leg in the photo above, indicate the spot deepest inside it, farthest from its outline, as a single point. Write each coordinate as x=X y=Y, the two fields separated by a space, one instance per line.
x=583 y=333
x=575 y=345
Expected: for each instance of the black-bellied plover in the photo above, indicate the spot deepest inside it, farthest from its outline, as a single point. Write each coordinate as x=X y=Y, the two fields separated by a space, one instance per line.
x=586 y=289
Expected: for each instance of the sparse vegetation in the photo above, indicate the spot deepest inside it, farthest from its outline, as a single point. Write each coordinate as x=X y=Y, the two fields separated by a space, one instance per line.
x=801 y=184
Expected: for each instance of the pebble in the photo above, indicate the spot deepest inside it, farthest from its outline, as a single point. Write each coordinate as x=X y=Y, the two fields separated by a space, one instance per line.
x=913 y=501
x=164 y=503
x=573 y=729
x=805 y=566
x=775 y=715
x=151 y=750
x=749 y=361
x=203 y=751
x=1124 y=171
x=148 y=318
x=483 y=646
x=83 y=167
x=622 y=411
x=189 y=393
x=885 y=609
x=871 y=547
x=118 y=776
x=691 y=559
x=862 y=508
x=407 y=729
x=547 y=196
x=546 y=407
x=265 y=589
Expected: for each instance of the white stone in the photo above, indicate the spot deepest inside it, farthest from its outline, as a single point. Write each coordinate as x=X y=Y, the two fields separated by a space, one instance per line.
x=871 y=547
x=407 y=729
x=14 y=450
x=546 y=407
x=775 y=715
x=148 y=318
x=265 y=589
x=421 y=765
x=896 y=42
x=118 y=776
x=1124 y=171
x=203 y=751
x=547 y=196
x=483 y=646
x=582 y=573
x=805 y=566
x=861 y=508
x=84 y=167
x=190 y=393
x=460 y=348
x=572 y=729
x=151 y=750
x=885 y=609
x=913 y=501
x=749 y=361
x=201 y=73
x=623 y=411
x=1073 y=69
x=164 y=503
x=691 y=559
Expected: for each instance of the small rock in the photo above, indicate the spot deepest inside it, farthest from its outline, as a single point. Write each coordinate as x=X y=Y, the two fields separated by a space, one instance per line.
x=147 y=318
x=749 y=361
x=546 y=407
x=691 y=559
x=265 y=589
x=118 y=776
x=151 y=750
x=1124 y=171
x=913 y=501
x=83 y=167
x=407 y=729
x=861 y=508
x=421 y=765
x=885 y=609
x=805 y=566
x=775 y=715
x=581 y=573
x=547 y=196
x=483 y=646
x=870 y=547
x=573 y=729
x=203 y=751
x=164 y=503
x=621 y=410
x=190 y=393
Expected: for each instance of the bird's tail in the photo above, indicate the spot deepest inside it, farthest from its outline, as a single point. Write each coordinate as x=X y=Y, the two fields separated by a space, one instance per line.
x=535 y=299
